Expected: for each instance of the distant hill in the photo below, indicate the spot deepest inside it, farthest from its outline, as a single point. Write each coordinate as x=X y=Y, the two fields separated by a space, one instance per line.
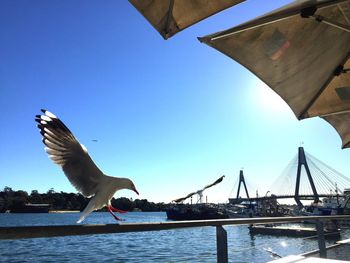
x=15 y=200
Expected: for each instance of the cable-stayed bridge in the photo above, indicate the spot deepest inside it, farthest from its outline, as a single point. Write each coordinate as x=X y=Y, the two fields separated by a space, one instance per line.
x=304 y=178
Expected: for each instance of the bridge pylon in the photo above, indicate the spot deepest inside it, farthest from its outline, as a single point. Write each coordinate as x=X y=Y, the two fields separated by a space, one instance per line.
x=302 y=162
x=242 y=181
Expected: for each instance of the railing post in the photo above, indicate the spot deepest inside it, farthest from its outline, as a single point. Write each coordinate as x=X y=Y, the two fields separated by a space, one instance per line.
x=321 y=239
x=221 y=245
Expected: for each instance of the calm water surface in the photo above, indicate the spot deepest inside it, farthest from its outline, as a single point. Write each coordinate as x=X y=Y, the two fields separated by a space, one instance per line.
x=182 y=245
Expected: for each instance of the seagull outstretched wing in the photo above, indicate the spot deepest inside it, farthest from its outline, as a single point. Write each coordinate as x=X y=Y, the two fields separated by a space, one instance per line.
x=65 y=150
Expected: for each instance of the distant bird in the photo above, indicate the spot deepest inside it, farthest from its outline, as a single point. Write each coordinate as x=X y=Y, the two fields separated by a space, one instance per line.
x=65 y=150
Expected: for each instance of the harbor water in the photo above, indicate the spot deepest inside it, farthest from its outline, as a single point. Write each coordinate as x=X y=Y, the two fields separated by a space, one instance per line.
x=178 y=245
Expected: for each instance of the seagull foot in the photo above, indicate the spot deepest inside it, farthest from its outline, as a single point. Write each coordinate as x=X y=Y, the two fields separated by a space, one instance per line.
x=117 y=210
x=115 y=217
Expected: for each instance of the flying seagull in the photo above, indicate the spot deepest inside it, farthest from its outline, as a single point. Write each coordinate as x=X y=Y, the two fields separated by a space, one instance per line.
x=65 y=150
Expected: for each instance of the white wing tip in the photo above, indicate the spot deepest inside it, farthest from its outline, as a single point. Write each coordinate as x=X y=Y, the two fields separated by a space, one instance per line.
x=81 y=219
x=49 y=114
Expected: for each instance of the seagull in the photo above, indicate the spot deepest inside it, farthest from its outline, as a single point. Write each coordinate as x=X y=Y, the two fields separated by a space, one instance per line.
x=66 y=151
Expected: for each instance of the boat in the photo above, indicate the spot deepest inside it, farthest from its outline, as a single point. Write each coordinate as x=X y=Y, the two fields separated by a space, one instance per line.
x=32 y=208
x=198 y=211
x=294 y=231
x=243 y=210
x=333 y=205
x=195 y=212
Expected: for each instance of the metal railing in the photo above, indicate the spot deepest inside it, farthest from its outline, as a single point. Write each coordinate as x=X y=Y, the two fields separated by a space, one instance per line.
x=21 y=232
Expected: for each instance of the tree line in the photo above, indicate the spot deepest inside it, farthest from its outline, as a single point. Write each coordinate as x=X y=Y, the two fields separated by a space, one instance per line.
x=14 y=200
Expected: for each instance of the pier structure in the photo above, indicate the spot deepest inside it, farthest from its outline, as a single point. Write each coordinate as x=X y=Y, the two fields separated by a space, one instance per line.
x=52 y=231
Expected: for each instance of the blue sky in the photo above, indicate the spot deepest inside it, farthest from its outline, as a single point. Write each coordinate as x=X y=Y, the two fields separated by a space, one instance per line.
x=171 y=115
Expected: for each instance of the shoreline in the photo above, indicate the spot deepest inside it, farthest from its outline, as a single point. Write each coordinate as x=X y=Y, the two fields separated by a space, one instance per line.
x=63 y=211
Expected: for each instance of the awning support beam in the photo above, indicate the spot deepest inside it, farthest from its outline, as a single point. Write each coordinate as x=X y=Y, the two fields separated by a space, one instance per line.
x=334 y=113
x=329 y=22
x=310 y=12
x=339 y=70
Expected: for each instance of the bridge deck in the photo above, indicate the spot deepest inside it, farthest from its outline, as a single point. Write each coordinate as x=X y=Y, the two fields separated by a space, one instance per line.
x=302 y=197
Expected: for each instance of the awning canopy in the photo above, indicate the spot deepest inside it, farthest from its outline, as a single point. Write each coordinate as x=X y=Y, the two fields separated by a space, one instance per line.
x=169 y=17
x=302 y=52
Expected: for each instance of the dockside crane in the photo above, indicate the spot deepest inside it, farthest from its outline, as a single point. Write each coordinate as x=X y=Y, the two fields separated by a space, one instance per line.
x=199 y=192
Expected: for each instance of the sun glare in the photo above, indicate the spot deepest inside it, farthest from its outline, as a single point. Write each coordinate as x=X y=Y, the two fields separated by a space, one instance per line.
x=268 y=99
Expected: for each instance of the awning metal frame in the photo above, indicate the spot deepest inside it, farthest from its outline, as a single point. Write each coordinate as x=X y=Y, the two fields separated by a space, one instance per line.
x=329 y=22
x=340 y=70
x=309 y=12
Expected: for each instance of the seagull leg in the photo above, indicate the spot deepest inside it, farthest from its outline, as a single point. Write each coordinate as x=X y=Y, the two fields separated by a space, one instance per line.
x=115 y=217
x=117 y=210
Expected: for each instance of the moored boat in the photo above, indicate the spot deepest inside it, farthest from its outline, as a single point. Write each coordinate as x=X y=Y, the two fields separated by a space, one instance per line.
x=198 y=211
x=294 y=231
x=195 y=212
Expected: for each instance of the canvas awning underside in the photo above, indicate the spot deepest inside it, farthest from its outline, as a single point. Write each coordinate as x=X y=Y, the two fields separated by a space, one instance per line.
x=169 y=17
x=300 y=58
